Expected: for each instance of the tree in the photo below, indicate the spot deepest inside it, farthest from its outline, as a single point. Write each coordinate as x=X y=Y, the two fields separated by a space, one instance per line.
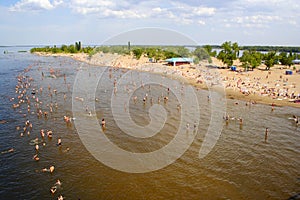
x=183 y=52
x=235 y=48
x=138 y=52
x=286 y=59
x=228 y=53
x=251 y=59
x=270 y=59
x=72 y=49
x=208 y=48
x=78 y=46
x=201 y=54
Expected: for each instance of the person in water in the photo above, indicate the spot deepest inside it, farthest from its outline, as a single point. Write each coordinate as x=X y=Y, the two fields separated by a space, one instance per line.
x=103 y=123
x=8 y=151
x=266 y=134
x=51 y=169
x=59 y=141
x=36 y=157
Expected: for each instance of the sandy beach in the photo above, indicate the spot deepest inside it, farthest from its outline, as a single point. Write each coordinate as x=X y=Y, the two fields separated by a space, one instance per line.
x=272 y=87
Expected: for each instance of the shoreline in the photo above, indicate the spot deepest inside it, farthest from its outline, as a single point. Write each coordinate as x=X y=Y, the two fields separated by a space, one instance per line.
x=257 y=86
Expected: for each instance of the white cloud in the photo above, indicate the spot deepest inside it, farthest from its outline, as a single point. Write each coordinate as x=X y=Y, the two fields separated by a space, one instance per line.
x=169 y=10
x=200 y=11
x=35 y=5
x=259 y=21
x=201 y=22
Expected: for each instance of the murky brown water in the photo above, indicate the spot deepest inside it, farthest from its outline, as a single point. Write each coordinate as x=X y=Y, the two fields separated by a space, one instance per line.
x=240 y=166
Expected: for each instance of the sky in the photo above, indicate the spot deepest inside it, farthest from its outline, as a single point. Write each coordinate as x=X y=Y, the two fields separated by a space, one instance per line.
x=94 y=22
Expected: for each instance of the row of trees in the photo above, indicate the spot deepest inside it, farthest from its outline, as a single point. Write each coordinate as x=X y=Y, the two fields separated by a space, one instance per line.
x=229 y=52
x=252 y=58
x=77 y=48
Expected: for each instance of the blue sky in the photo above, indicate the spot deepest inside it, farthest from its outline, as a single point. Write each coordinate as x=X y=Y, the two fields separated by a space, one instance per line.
x=248 y=22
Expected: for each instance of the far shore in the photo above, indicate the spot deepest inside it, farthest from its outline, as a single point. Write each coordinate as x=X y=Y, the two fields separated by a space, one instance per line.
x=271 y=87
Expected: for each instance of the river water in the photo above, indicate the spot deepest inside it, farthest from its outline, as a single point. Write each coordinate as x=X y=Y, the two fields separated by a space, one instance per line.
x=241 y=165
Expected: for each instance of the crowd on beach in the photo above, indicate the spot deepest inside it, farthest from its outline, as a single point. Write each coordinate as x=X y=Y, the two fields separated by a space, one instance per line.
x=273 y=84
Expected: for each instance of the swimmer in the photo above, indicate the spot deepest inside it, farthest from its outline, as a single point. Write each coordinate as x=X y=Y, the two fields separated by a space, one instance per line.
x=103 y=123
x=296 y=119
x=178 y=107
x=42 y=133
x=51 y=169
x=27 y=123
x=37 y=147
x=134 y=99
x=53 y=189
x=187 y=126
x=8 y=151
x=45 y=114
x=59 y=141
x=67 y=119
x=49 y=134
x=241 y=121
x=36 y=158
x=58 y=182
x=266 y=134
x=166 y=99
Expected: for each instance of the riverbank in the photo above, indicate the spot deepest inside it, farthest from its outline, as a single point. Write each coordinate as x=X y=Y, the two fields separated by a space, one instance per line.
x=271 y=87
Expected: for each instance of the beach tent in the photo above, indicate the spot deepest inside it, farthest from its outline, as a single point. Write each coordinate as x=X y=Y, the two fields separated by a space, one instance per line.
x=179 y=61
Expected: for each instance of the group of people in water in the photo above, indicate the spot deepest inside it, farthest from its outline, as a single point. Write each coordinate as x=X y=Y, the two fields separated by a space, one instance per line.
x=29 y=97
x=228 y=118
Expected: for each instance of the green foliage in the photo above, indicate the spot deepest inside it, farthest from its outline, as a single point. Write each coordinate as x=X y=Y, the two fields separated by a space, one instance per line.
x=77 y=48
x=183 y=52
x=286 y=59
x=138 y=52
x=251 y=59
x=209 y=48
x=201 y=54
x=228 y=53
x=170 y=54
x=122 y=50
x=156 y=53
x=72 y=49
x=272 y=48
x=270 y=59
x=196 y=60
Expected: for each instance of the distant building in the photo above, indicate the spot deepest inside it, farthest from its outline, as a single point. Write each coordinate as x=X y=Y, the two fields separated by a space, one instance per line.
x=179 y=61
